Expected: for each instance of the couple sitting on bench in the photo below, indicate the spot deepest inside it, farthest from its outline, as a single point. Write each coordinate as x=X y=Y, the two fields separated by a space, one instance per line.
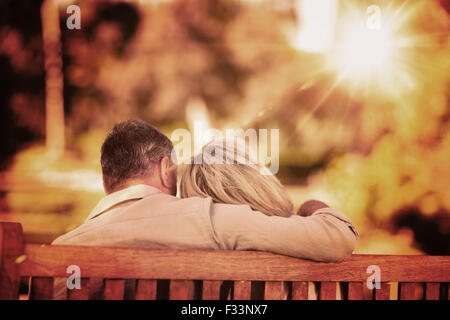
x=222 y=206
x=229 y=207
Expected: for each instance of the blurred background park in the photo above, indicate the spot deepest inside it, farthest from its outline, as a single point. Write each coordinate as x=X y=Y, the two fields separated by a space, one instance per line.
x=360 y=91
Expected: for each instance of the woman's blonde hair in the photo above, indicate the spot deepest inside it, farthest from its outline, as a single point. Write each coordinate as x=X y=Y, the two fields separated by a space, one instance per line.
x=237 y=179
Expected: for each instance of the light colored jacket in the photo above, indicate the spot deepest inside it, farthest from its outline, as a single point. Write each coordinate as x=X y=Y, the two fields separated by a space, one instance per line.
x=143 y=216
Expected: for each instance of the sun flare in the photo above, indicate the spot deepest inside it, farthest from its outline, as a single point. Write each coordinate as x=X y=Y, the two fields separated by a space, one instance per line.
x=365 y=51
x=380 y=58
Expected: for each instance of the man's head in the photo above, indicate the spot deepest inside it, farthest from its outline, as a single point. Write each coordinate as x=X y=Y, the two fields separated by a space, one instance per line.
x=135 y=152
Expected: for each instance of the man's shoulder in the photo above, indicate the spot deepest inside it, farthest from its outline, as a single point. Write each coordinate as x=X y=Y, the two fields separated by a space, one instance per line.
x=157 y=210
x=165 y=204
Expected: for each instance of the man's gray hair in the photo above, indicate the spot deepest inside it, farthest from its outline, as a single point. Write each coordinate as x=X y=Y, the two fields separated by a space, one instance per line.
x=131 y=150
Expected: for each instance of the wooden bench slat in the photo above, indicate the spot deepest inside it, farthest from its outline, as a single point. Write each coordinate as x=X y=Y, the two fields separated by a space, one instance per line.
x=181 y=290
x=146 y=289
x=96 y=288
x=299 y=290
x=214 y=265
x=211 y=290
x=41 y=288
x=411 y=291
x=80 y=294
x=11 y=247
x=114 y=289
x=355 y=291
x=276 y=290
x=432 y=291
x=328 y=290
x=368 y=294
x=242 y=290
x=384 y=293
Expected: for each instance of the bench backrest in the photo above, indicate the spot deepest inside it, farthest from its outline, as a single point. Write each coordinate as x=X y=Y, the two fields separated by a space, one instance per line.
x=131 y=273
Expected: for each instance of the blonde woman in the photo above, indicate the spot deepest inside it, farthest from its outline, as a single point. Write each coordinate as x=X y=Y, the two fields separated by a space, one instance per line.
x=226 y=172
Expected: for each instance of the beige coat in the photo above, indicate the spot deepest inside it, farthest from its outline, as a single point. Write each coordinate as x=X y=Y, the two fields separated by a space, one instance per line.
x=143 y=216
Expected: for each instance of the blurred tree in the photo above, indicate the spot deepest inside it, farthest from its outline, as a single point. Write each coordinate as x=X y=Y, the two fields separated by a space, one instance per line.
x=54 y=103
x=22 y=76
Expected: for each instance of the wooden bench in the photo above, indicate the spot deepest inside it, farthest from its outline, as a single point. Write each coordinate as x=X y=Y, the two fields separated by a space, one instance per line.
x=130 y=273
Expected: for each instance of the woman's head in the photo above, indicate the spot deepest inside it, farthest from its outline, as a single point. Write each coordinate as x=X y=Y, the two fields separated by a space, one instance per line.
x=226 y=172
